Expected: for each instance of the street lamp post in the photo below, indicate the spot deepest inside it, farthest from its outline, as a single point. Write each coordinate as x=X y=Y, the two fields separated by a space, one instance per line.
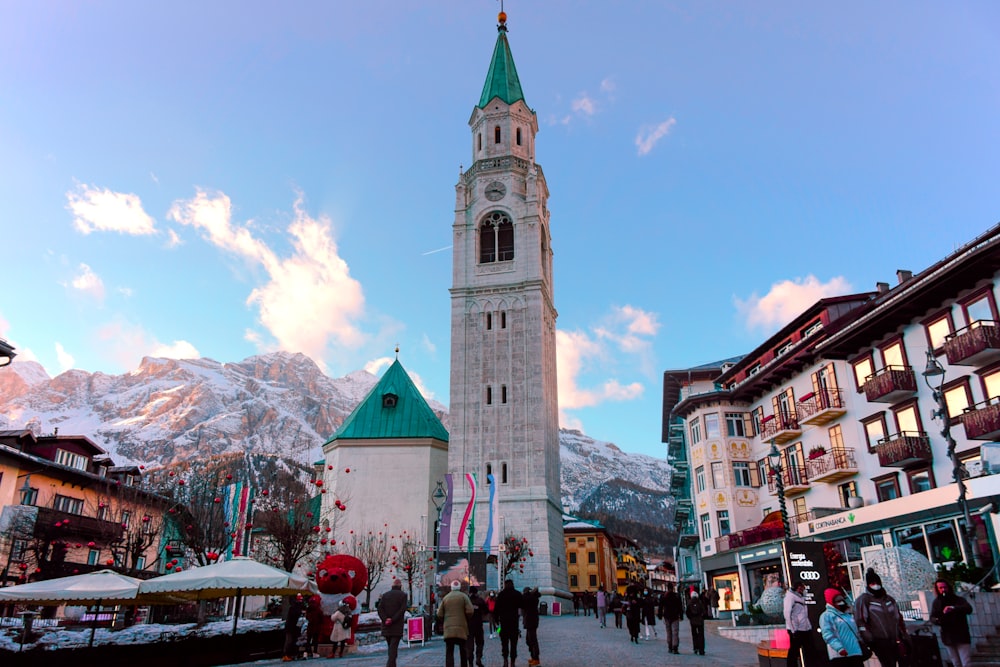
x=437 y=498
x=935 y=373
x=7 y=353
x=774 y=458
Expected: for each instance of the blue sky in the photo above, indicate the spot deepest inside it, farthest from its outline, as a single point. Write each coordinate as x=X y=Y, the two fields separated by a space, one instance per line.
x=227 y=178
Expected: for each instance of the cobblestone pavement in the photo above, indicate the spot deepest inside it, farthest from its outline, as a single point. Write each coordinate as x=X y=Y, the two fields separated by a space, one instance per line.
x=571 y=641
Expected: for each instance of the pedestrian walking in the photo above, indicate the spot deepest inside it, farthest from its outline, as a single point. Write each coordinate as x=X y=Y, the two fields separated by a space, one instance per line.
x=951 y=612
x=648 y=603
x=292 y=630
x=391 y=608
x=314 y=623
x=475 y=643
x=798 y=626
x=633 y=617
x=672 y=611
x=454 y=612
x=602 y=606
x=529 y=616
x=491 y=601
x=713 y=601
x=509 y=603
x=616 y=608
x=696 y=617
x=880 y=621
x=840 y=632
x=341 y=630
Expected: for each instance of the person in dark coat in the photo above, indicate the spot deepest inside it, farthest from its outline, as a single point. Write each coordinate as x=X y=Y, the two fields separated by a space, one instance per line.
x=879 y=620
x=475 y=643
x=951 y=612
x=672 y=611
x=713 y=602
x=616 y=608
x=633 y=617
x=696 y=616
x=314 y=623
x=529 y=616
x=391 y=609
x=648 y=603
x=295 y=610
x=509 y=603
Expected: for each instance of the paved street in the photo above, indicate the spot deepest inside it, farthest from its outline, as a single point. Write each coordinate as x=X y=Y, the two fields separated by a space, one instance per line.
x=574 y=641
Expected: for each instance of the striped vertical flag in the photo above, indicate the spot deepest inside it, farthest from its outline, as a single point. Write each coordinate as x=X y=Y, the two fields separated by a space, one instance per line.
x=239 y=498
x=492 y=528
x=469 y=519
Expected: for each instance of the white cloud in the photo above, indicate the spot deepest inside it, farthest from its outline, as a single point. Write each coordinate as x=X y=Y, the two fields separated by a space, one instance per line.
x=608 y=86
x=786 y=300
x=89 y=283
x=584 y=104
x=96 y=210
x=173 y=239
x=65 y=359
x=428 y=345
x=648 y=136
x=310 y=300
x=621 y=340
x=128 y=343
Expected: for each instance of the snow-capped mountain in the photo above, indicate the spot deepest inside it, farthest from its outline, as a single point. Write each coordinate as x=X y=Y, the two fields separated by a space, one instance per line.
x=170 y=411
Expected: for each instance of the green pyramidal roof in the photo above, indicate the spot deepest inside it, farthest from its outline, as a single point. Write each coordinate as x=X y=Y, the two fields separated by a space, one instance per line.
x=393 y=408
x=501 y=80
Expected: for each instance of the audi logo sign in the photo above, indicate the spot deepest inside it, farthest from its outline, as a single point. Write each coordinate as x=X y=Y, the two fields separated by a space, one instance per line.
x=809 y=575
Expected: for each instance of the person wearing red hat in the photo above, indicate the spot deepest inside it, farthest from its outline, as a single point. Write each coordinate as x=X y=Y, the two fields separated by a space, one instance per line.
x=836 y=625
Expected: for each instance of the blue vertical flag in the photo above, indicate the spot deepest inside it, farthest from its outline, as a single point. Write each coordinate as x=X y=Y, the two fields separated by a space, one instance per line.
x=492 y=528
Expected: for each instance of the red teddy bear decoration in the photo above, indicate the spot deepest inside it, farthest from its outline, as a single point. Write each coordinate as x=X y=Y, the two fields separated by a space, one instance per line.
x=340 y=578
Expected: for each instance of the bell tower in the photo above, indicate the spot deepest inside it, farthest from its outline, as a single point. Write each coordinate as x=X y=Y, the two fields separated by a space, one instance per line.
x=504 y=401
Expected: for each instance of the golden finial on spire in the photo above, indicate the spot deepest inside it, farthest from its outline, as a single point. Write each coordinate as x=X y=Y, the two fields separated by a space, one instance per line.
x=397 y=351
x=502 y=18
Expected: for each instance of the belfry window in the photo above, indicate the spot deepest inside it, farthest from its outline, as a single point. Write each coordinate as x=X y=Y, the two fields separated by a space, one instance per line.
x=496 y=239
x=489 y=395
x=503 y=319
x=480 y=137
x=496 y=134
x=489 y=321
x=518 y=136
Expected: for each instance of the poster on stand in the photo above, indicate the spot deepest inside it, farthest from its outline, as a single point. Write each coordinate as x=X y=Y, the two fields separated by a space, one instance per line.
x=805 y=563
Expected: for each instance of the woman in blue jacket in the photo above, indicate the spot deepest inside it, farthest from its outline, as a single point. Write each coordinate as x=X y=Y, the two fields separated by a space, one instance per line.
x=836 y=624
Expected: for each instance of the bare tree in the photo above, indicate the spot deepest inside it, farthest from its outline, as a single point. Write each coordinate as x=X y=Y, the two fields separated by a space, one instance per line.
x=289 y=527
x=374 y=549
x=410 y=562
x=132 y=517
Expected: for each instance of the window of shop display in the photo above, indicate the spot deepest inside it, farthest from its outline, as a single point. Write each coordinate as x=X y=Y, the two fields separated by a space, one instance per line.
x=728 y=587
x=851 y=547
x=943 y=542
x=911 y=536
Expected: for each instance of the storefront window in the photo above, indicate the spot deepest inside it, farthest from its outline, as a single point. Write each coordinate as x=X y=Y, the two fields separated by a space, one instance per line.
x=728 y=587
x=943 y=542
x=912 y=537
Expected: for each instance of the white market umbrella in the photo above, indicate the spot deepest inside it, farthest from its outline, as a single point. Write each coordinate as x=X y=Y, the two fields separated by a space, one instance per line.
x=237 y=577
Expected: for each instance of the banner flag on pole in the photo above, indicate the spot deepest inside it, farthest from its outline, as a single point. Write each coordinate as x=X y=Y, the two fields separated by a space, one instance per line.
x=470 y=513
x=492 y=529
x=444 y=534
x=239 y=498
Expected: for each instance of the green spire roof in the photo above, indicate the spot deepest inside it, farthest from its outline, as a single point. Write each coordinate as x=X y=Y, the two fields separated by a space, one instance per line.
x=393 y=408
x=501 y=80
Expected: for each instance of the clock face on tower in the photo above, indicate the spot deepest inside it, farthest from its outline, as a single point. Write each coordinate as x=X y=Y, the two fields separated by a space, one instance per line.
x=495 y=191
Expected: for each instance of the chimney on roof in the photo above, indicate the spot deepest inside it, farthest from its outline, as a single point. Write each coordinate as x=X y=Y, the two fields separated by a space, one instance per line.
x=903 y=275
x=882 y=288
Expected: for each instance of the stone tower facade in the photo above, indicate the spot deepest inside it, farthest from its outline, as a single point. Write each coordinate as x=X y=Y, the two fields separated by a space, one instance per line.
x=504 y=401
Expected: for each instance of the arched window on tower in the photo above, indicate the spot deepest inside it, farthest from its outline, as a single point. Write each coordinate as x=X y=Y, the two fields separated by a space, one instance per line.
x=496 y=239
x=496 y=134
x=518 y=136
x=480 y=138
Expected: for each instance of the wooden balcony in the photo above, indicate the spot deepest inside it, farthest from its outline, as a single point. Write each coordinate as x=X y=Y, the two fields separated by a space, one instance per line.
x=795 y=479
x=982 y=421
x=749 y=536
x=833 y=466
x=821 y=407
x=976 y=345
x=780 y=428
x=75 y=525
x=905 y=449
x=890 y=384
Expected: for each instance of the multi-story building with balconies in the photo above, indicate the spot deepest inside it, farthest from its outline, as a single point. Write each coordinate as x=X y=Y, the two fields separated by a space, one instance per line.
x=838 y=399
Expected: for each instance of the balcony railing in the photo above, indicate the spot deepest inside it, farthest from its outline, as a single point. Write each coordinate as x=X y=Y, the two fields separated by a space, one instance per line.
x=821 y=407
x=779 y=427
x=976 y=345
x=795 y=478
x=904 y=449
x=982 y=421
x=833 y=466
x=75 y=525
x=890 y=384
x=755 y=535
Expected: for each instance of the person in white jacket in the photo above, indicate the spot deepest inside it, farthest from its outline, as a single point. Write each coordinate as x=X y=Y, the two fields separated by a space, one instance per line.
x=799 y=627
